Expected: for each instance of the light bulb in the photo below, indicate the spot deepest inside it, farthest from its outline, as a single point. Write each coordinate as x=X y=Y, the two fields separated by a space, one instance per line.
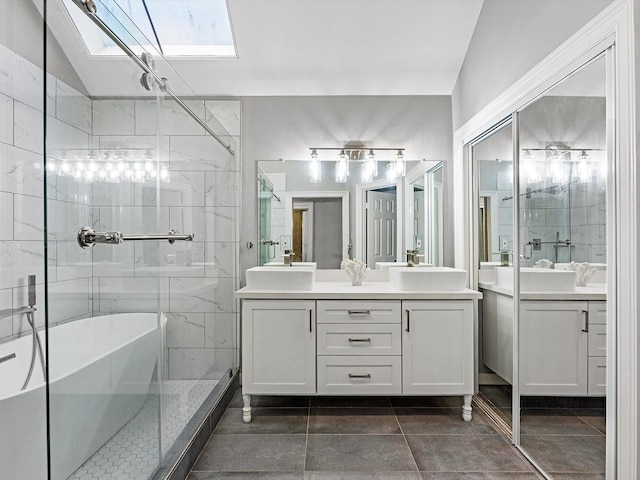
x=315 y=169
x=342 y=168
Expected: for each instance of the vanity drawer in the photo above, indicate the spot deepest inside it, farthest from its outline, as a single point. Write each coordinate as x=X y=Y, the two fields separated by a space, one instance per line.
x=597 y=313
x=597 y=340
x=361 y=311
x=597 y=381
x=346 y=375
x=359 y=339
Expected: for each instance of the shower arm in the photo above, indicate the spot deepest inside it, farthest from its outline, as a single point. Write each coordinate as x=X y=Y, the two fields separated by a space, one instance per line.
x=87 y=237
x=90 y=9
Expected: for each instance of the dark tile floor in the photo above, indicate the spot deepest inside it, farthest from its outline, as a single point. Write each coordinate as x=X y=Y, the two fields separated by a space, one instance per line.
x=357 y=438
x=566 y=436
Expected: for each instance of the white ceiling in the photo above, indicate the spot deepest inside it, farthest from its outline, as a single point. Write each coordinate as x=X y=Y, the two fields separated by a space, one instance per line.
x=309 y=47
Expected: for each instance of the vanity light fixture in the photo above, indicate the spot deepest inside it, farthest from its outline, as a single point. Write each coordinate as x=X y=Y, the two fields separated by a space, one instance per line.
x=369 y=164
x=315 y=169
x=369 y=169
x=342 y=168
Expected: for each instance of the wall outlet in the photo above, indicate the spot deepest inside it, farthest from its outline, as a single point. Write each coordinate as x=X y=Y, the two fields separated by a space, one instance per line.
x=504 y=242
x=285 y=242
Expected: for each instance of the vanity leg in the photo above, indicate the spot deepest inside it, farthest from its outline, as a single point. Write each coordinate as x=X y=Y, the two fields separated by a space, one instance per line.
x=466 y=408
x=246 y=409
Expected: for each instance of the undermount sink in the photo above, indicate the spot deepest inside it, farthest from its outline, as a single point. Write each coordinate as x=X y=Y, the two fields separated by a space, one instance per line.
x=538 y=279
x=280 y=278
x=430 y=278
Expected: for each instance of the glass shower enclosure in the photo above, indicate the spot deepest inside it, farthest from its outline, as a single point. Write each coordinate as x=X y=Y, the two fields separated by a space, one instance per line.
x=119 y=244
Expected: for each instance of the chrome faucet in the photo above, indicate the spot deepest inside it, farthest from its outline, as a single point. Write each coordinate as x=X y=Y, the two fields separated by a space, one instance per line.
x=412 y=258
x=288 y=257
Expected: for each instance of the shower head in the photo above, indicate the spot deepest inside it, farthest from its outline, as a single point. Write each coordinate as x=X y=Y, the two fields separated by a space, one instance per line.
x=32 y=290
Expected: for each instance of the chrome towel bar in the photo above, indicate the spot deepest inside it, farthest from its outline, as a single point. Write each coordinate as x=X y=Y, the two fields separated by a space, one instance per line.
x=87 y=237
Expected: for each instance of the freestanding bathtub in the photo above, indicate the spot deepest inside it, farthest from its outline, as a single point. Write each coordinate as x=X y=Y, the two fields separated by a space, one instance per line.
x=100 y=370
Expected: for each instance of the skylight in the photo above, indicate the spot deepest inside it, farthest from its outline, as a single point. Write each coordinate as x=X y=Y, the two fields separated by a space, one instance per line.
x=173 y=27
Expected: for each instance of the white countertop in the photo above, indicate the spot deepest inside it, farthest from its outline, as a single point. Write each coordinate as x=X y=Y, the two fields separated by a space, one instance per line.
x=595 y=291
x=366 y=291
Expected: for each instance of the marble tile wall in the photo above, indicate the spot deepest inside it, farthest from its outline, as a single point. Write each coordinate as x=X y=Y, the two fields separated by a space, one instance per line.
x=22 y=214
x=202 y=197
x=578 y=213
x=196 y=280
x=277 y=214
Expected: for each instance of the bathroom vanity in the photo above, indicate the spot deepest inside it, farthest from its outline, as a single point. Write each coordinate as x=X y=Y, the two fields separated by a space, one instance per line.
x=374 y=339
x=562 y=339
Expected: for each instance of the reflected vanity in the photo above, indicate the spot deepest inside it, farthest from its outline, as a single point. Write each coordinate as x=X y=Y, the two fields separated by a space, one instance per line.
x=549 y=227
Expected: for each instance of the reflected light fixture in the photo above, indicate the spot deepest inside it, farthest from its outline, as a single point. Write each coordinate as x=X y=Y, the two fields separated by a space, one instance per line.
x=107 y=166
x=584 y=167
x=396 y=167
x=529 y=169
x=315 y=169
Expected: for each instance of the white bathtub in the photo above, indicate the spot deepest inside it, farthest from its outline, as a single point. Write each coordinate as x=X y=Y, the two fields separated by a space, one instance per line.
x=100 y=371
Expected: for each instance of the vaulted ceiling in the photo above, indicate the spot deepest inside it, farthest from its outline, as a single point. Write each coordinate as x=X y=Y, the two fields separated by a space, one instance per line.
x=306 y=47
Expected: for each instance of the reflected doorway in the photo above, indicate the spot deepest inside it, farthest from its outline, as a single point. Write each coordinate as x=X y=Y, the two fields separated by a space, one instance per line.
x=381 y=225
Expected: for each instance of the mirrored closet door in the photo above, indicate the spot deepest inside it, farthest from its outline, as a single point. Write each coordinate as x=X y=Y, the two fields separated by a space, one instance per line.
x=562 y=205
x=540 y=202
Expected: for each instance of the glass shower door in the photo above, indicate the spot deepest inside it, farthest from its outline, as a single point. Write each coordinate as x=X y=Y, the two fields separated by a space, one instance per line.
x=142 y=332
x=105 y=322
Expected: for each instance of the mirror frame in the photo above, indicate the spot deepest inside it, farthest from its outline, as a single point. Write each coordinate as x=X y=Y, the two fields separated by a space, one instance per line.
x=416 y=172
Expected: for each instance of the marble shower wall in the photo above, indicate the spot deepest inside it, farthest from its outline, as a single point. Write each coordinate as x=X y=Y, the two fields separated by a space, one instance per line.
x=22 y=249
x=196 y=280
x=577 y=212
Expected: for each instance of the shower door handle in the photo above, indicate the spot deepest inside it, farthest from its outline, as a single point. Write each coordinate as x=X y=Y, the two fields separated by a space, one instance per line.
x=87 y=237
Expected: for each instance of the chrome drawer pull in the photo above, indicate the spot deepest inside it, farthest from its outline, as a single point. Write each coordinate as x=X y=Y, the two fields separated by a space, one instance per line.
x=360 y=340
x=366 y=375
x=359 y=312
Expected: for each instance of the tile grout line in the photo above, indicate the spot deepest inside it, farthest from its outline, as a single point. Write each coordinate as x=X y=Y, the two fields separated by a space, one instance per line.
x=395 y=414
x=306 y=439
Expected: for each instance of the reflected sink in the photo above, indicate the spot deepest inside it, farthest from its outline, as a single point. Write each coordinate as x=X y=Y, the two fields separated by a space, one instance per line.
x=385 y=265
x=280 y=278
x=538 y=279
x=430 y=278
x=294 y=264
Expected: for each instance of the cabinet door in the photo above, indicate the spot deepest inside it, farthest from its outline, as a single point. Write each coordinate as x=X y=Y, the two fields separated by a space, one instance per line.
x=278 y=347
x=553 y=348
x=437 y=347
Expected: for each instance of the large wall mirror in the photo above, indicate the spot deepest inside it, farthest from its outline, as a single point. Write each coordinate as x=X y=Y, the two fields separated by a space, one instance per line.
x=325 y=222
x=540 y=259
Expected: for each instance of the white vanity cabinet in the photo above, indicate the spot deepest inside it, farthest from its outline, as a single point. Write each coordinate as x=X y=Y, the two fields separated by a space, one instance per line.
x=553 y=347
x=369 y=340
x=563 y=348
x=359 y=347
x=437 y=347
x=597 y=349
x=279 y=347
